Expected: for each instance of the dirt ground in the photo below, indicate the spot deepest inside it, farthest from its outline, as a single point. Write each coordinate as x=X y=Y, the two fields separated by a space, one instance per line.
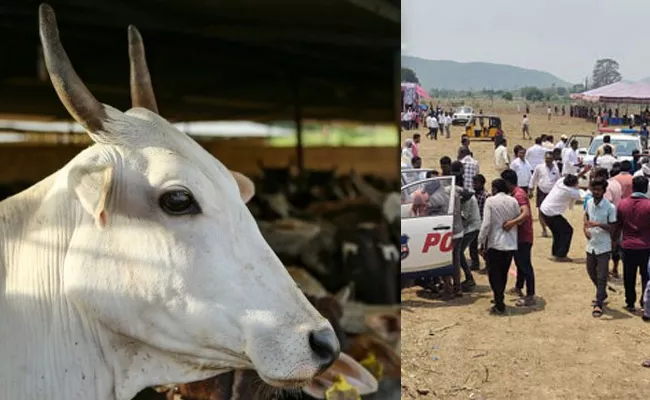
x=555 y=350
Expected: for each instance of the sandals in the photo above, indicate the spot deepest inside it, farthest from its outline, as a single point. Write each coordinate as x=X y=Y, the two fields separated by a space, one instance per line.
x=527 y=301
x=597 y=312
x=646 y=364
x=515 y=291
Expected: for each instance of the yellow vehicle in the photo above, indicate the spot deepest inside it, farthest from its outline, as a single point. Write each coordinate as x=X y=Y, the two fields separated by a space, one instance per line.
x=489 y=129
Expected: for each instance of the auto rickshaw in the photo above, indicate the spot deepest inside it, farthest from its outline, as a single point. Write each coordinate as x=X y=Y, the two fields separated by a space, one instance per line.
x=489 y=129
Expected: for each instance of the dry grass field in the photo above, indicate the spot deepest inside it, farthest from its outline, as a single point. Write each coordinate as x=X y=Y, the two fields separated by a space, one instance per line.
x=555 y=350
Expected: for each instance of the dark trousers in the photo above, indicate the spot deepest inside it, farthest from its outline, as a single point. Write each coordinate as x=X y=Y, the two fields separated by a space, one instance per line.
x=456 y=260
x=633 y=261
x=498 y=264
x=452 y=283
x=562 y=234
x=525 y=273
x=467 y=239
x=433 y=133
x=597 y=268
x=473 y=253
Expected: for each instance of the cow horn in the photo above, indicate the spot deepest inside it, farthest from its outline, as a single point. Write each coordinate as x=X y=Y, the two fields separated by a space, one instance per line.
x=367 y=190
x=74 y=95
x=142 y=94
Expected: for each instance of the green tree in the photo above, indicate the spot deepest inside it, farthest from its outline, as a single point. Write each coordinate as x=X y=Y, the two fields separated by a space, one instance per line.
x=408 y=75
x=507 y=96
x=532 y=93
x=605 y=72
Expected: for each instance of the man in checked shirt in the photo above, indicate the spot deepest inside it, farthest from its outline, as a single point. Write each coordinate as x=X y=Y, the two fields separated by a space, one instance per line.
x=470 y=167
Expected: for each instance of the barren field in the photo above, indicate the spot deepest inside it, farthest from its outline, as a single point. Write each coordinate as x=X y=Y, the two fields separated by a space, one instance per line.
x=555 y=350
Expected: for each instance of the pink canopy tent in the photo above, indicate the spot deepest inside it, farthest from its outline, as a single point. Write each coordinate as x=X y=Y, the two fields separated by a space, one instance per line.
x=423 y=93
x=619 y=92
x=418 y=89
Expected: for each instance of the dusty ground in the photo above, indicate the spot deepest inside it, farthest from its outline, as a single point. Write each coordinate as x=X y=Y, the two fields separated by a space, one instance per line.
x=556 y=350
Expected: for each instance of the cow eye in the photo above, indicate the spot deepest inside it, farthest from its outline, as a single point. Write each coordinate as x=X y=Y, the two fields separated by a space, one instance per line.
x=179 y=202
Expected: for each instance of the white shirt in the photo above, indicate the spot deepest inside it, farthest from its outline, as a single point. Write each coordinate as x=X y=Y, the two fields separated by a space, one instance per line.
x=524 y=122
x=448 y=120
x=607 y=161
x=441 y=119
x=560 y=198
x=501 y=159
x=432 y=122
x=560 y=144
x=535 y=155
x=499 y=208
x=548 y=110
x=569 y=160
x=544 y=177
x=524 y=171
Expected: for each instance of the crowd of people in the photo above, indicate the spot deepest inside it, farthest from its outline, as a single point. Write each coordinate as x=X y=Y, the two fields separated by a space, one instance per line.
x=498 y=225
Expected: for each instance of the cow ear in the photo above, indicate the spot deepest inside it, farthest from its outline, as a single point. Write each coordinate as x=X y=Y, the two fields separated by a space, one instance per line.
x=246 y=186
x=92 y=185
x=343 y=295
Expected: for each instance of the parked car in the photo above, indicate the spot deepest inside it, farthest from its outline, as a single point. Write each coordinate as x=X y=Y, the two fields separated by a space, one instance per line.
x=426 y=238
x=462 y=115
x=625 y=144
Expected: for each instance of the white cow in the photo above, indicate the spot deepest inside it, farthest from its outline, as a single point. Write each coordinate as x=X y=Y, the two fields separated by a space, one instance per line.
x=138 y=263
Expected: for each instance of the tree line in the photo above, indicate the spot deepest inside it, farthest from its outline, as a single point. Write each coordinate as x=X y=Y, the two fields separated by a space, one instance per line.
x=605 y=72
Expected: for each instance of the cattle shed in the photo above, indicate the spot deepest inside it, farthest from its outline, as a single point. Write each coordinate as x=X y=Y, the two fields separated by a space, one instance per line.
x=214 y=60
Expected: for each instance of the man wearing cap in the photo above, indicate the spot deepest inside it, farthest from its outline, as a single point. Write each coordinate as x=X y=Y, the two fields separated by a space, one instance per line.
x=562 y=143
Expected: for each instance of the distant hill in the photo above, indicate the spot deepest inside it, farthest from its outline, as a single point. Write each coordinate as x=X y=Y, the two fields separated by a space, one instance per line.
x=452 y=75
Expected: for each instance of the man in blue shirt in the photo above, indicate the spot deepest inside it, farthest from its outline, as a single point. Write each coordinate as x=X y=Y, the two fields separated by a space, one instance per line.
x=599 y=223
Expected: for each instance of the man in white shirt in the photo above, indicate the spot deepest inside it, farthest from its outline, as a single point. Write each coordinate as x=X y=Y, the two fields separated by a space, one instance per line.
x=548 y=112
x=432 y=124
x=547 y=142
x=570 y=162
x=496 y=244
x=501 y=160
x=562 y=197
x=525 y=128
x=607 y=160
x=448 y=120
x=562 y=143
x=441 y=123
x=523 y=169
x=535 y=154
x=544 y=178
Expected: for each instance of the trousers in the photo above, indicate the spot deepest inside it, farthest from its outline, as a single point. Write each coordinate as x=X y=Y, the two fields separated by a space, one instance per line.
x=498 y=264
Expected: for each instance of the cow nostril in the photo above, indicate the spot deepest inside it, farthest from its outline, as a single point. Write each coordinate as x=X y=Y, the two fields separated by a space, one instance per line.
x=326 y=346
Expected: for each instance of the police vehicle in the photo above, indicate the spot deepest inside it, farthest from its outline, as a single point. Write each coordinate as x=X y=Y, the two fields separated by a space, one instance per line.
x=427 y=216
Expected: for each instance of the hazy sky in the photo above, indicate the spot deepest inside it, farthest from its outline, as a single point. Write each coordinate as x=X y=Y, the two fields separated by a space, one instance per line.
x=563 y=37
